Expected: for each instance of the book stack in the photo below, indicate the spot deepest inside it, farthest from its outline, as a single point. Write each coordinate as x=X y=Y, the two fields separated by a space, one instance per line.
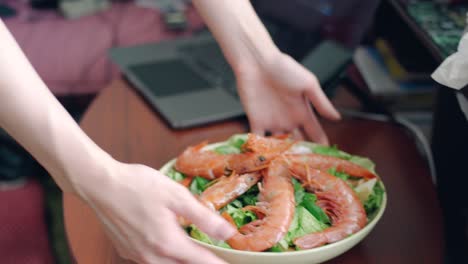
x=407 y=93
x=393 y=84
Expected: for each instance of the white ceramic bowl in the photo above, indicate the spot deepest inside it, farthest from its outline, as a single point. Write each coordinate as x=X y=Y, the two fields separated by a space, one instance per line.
x=316 y=255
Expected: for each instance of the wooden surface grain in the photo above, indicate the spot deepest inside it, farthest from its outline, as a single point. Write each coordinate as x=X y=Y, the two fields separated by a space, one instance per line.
x=410 y=231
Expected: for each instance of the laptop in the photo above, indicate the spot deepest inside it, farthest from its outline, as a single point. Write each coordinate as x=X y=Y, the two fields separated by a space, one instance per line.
x=188 y=81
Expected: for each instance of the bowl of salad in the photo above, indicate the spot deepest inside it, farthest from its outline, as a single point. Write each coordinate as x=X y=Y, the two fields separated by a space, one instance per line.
x=291 y=201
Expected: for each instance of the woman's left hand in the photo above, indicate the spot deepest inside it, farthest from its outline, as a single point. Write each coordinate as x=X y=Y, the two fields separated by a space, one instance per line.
x=277 y=97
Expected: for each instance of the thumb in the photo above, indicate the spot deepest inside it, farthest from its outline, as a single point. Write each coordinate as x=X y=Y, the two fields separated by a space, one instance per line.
x=207 y=220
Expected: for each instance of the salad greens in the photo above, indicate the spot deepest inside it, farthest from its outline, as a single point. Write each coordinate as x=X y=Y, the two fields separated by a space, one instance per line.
x=233 y=145
x=303 y=223
x=341 y=175
x=308 y=216
x=250 y=197
x=200 y=236
x=309 y=203
x=374 y=200
x=198 y=185
x=307 y=200
x=335 y=152
x=299 y=191
x=175 y=175
x=226 y=149
x=331 y=151
x=237 y=140
x=240 y=217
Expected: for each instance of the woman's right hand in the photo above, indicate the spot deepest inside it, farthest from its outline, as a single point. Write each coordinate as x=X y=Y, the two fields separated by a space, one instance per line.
x=138 y=206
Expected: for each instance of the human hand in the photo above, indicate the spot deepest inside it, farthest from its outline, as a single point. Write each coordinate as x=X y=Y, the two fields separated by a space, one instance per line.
x=277 y=97
x=138 y=208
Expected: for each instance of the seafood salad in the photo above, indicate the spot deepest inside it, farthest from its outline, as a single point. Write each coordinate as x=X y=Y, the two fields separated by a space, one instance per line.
x=280 y=194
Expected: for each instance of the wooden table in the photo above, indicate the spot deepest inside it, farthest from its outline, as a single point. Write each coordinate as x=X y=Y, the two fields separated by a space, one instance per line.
x=409 y=232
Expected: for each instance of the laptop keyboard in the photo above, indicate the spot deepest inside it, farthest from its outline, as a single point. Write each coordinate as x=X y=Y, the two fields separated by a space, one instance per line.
x=209 y=57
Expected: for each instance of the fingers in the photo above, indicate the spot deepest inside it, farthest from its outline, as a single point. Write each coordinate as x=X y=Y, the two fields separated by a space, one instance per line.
x=313 y=129
x=256 y=128
x=297 y=134
x=291 y=129
x=320 y=101
x=148 y=256
x=158 y=259
x=207 y=220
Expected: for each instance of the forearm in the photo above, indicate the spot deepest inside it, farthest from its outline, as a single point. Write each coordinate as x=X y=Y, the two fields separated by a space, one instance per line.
x=239 y=31
x=33 y=116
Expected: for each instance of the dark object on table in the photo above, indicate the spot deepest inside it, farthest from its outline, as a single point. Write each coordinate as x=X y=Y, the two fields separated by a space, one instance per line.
x=6 y=11
x=44 y=4
x=175 y=20
x=12 y=158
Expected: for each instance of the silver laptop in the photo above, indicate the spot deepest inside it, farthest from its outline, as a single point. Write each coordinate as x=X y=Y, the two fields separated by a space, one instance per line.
x=187 y=80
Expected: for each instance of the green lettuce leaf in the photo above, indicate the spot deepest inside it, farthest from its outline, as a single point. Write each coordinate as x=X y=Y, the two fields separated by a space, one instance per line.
x=236 y=203
x=281 y=246
x=232 y=146
x=341 y=175
x=331 y=151
x=198 y=185
x=175 y=175
x=365 y=188
x=308 y=203
x=374 y=201
x=226 y=149
x=307 y=200
x=299 y=191
x=201 y=236
x=335 y=152
x=237 y=140
x=250 y=197
x=302 y=224
x=240 y=217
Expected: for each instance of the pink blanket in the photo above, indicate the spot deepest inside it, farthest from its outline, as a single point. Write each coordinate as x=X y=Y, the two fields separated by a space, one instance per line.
x=71 y=55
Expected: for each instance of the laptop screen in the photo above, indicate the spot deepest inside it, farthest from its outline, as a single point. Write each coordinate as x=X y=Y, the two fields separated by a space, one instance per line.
x=169 y=77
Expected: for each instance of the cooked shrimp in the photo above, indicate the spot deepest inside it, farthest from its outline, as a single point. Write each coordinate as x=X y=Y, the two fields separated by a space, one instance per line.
x=207 y=164
x=325 y=163
x=277 y=201
x=258 y=153
x=226 y=189
x=228 y=218
x=210 y=165
x=336 y=198
x=186 y=182
x=259 y=144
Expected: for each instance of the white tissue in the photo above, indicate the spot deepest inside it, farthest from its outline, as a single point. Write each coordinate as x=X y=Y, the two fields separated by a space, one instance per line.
x=463 y=104
x=453 y=72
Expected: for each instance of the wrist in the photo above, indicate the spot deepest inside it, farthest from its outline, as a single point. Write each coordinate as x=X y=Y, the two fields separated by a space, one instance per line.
x=239 y=31
x=256 y=59
x=96 y=173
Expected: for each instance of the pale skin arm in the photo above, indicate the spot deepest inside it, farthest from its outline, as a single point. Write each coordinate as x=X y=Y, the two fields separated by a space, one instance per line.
x=137 y=205
x=275 y=90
